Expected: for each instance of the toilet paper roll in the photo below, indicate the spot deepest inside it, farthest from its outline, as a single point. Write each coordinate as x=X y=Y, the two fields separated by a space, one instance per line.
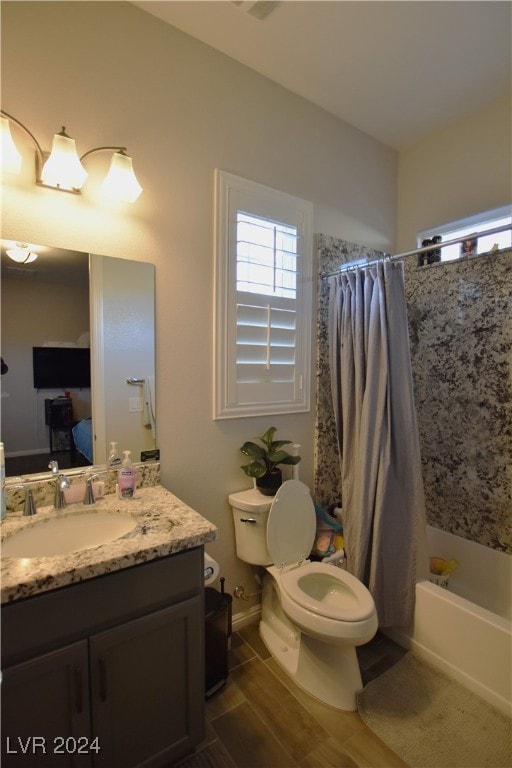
x=211 y=569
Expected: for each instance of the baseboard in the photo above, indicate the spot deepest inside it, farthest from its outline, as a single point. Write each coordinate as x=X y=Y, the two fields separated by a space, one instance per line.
x=32 y=452
x=243 y=618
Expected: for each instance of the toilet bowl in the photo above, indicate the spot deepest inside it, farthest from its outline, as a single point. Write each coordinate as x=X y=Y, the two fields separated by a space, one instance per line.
x=313 y=614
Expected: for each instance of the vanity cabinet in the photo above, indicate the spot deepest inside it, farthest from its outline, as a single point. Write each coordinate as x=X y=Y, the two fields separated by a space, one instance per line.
x=108 y=672
x=44 y=699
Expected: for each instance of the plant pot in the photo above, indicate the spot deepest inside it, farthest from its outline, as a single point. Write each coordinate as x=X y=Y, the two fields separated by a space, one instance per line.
x=269 y=483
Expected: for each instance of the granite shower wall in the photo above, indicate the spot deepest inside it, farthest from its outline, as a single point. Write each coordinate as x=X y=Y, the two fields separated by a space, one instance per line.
x=461 y=352
x=331 y=253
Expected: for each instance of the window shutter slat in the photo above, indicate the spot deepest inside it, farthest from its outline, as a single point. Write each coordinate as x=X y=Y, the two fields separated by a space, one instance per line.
x=253 y=373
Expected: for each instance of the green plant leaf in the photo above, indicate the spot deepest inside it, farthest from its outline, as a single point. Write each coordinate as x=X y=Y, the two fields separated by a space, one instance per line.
x=282 y=457
x=279 y=443
x=255 y=469
x=253 y=450
x=268 y=437
x=290 y=459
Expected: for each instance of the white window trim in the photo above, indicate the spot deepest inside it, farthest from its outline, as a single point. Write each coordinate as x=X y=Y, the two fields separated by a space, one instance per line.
x=260 y=200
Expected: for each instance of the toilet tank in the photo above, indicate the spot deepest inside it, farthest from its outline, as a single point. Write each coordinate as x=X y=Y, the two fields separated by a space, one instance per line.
x=250 y=513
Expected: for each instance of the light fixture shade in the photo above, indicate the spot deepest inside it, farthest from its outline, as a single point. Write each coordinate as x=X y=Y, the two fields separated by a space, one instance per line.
x=120 y=183
x=10 y=158
x=63 y=168
x=21 y=254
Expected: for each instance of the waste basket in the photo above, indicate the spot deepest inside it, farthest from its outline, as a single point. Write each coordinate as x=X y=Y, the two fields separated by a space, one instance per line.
x=218 y=619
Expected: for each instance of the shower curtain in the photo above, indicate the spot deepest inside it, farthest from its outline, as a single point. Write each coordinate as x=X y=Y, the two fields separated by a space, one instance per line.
x=372 y=392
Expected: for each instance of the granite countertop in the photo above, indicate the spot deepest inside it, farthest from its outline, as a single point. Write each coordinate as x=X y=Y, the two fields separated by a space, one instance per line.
x=165 y=525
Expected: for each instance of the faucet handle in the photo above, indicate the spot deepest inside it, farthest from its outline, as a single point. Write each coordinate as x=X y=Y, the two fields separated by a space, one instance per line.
x=54 y=466
x=30 y=505
x=62 y=482
x=89 y=491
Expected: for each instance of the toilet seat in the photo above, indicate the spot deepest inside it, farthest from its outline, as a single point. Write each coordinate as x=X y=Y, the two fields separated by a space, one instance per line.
x=320 y=588
x=328 y=591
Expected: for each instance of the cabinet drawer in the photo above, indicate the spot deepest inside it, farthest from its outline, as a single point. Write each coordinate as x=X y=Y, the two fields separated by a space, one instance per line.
x=53 y=619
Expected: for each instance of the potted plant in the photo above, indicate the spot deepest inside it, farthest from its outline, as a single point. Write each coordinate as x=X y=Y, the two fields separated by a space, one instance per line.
x=265 y=460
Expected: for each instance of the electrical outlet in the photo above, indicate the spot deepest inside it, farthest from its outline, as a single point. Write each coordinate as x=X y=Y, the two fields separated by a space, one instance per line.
x=135 y=404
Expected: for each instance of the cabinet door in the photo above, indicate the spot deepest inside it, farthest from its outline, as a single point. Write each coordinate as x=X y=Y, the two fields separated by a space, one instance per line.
x=147 y=687
x=45 y=710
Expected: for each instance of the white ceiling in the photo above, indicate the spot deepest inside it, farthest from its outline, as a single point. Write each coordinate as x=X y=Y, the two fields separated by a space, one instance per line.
x=53 y=265
x=395 y=70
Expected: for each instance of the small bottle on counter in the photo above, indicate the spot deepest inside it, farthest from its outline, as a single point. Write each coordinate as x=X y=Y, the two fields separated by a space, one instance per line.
x=127 y=477
x=114 y=458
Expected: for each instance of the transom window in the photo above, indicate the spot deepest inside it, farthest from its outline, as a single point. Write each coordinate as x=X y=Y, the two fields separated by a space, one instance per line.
x=468 y=227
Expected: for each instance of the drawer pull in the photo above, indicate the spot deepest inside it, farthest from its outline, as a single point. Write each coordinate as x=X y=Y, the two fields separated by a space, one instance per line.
x=79 y=691
x=103 y=680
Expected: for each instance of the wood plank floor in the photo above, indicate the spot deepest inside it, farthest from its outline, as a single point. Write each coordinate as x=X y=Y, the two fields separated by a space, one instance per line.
x=261 y=719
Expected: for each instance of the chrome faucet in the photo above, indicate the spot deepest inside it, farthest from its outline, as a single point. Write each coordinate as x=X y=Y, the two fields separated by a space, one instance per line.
x=89 y=490
x=61 y=482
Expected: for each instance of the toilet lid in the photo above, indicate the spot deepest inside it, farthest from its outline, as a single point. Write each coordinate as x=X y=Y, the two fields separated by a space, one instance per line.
x=291 y=525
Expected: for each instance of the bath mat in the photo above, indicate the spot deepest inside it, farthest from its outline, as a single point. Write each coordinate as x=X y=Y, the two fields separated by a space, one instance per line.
x=429 y=720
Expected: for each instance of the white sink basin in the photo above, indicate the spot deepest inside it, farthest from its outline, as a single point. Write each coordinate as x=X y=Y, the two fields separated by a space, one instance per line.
x=70 y=533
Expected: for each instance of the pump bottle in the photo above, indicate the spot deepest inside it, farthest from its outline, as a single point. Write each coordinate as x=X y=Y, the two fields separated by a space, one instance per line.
x=114 y=458
x=127 y=477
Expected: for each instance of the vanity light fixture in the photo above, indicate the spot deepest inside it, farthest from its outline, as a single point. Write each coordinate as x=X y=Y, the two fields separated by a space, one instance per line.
x=21 y=254
x=62 y=169
x=11 y=158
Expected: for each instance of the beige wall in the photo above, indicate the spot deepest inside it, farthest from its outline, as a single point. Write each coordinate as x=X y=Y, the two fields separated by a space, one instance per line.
x=122 y=342
x=459 y=171
x=35 y=314
x=114 y=74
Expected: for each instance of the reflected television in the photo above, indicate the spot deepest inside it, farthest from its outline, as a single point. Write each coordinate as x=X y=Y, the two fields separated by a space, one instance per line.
x=61 y=367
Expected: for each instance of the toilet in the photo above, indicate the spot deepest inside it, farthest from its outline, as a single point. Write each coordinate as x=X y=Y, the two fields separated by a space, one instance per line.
x=313 y=615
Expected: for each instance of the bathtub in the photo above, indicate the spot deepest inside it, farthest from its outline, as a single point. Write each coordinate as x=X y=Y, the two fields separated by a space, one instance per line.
x=465 y=630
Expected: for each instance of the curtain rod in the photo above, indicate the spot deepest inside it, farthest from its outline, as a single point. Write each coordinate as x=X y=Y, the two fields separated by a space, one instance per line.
x=352 y=264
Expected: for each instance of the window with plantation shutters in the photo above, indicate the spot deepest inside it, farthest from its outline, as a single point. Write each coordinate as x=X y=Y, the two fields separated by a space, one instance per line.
x=262 y=300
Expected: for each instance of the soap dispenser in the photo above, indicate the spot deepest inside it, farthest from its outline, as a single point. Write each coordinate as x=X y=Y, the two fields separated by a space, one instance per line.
x=114 y=458
x=127 y=477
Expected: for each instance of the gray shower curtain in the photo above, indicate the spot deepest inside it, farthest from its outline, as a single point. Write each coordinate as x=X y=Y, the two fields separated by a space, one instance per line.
x=372 y=392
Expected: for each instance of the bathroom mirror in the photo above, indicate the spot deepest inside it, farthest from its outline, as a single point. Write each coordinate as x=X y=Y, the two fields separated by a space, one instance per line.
x=72 y=301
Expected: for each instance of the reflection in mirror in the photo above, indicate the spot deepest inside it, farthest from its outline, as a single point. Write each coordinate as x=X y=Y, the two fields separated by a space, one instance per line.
x=66 y=300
